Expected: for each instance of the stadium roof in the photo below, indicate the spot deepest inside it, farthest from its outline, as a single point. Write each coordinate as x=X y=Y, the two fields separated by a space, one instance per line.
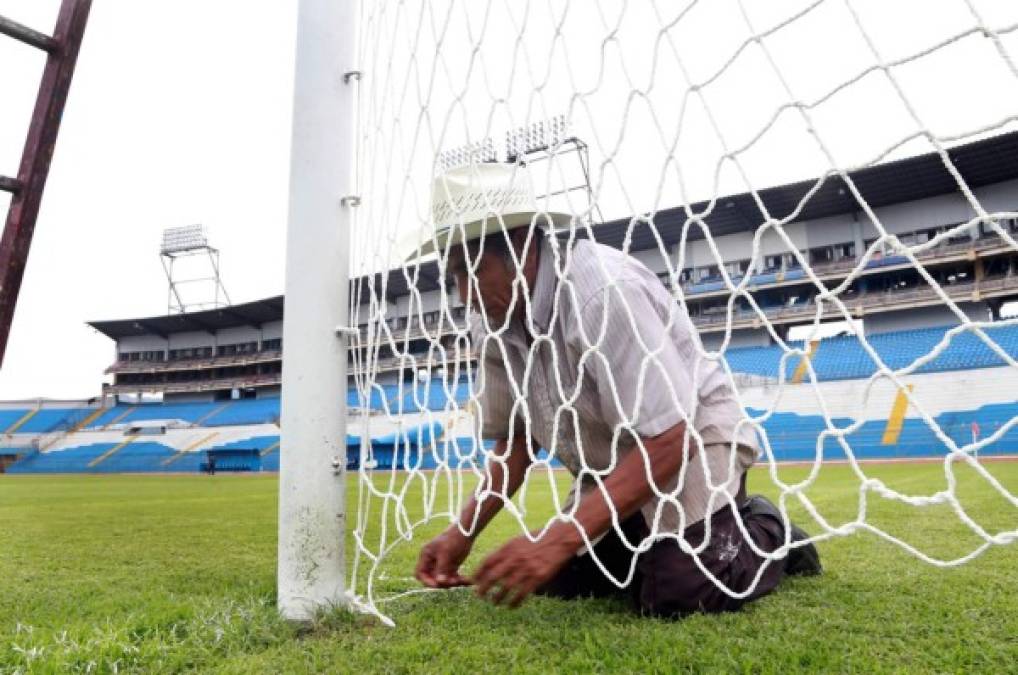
x=248 y=314
x=984 y=162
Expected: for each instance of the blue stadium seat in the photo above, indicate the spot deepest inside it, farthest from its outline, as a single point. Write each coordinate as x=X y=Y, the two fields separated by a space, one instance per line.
x=795 y=437
x=792 y=437
x=108 y=416
x=43 y=421
x=70 y=460
x=434 y=395
x=844 y=358
x=9 y=417
x=189 y=412
x=54 y=419
x=378 y=398
x=246 y=411
x=136 y=457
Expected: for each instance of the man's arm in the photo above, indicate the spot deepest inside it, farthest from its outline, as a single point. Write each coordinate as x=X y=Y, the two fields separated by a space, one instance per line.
x=504 y=477
x=645 y=375
x=521 y=566
x=439 y=561
x=626 y=487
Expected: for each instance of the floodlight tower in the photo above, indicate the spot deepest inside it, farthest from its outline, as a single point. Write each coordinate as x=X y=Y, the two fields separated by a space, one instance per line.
x=552 y=138
x=192 y=242
x=541 y=140
x=471 y=153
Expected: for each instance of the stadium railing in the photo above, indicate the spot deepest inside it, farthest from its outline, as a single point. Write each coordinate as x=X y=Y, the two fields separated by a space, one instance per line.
x=194 y=364
x=840 y=268
x=745 y=318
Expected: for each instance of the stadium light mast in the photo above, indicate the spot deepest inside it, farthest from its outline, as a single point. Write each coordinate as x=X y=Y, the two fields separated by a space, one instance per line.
x=191 y=242
x=312 y=469
x=552 y=139
x=543 y=140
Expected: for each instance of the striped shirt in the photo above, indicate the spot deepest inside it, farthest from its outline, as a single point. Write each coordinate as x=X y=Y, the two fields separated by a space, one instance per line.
x=609 y=355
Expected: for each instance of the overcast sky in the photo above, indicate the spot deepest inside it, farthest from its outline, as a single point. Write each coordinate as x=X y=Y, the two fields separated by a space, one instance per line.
x=180 y=114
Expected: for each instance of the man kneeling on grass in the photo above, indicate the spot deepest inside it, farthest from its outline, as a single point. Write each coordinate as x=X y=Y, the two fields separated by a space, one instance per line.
x=594 y=320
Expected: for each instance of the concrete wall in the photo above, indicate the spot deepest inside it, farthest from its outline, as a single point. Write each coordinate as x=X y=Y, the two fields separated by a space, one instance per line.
x=141 y=343
x=31 y=403
x=272 y=330
x=740 y=338
x=429 y=302
x=196 y=397
x=192 y=339
x=943 y=210
x=226 y=336
x=936 y=393
x=654 y=259
x=238 y=335
x=923 y=317
x=206 y=397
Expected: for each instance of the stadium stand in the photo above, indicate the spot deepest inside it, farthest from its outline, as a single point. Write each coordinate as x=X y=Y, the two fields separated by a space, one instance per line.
x=134 y=457
x=764 y=361
x=188 y=412
x=9 y=455
x=844 y=358
x=71 y=460
x=378 y=398
x=713 y=284
x=792 y=436
x=396 y=399
x=259 y=443
x=434 y=395
x=253 y=411
x=184 y=462
x=9 y=418
x=220 y=413
x=270 y=457
x=36 y=420
x=46 y=420
x=110 y=416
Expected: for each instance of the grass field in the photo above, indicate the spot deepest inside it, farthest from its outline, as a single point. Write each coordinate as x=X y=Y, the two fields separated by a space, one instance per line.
x=176 y=573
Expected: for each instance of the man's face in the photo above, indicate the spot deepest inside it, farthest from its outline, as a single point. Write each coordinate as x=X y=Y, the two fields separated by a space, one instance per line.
x=491 y=275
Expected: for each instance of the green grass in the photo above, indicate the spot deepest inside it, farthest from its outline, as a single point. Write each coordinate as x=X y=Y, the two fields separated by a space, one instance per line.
x=173 y=573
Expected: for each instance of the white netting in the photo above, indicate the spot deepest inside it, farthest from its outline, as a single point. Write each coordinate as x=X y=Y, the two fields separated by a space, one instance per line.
x=672 y=105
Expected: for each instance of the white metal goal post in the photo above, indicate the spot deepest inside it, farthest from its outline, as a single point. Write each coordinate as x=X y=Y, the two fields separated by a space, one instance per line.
x=312 y=475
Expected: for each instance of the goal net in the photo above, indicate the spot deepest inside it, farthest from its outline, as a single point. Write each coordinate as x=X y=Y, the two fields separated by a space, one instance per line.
x=731 y=148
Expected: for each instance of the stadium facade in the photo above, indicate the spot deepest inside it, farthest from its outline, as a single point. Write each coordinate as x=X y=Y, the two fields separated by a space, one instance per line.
x=219 y=370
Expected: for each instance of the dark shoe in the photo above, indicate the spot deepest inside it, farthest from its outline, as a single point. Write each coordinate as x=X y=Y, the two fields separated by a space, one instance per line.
x=802 y=560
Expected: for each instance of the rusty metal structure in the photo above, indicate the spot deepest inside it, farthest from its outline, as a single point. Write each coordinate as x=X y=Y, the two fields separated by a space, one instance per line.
x=26 y=189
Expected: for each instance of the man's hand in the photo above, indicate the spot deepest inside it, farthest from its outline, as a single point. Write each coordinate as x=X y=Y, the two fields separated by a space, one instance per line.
x=521 y=566
x=439 y=563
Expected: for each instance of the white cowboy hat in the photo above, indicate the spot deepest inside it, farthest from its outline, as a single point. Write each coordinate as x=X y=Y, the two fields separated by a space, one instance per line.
x=477 y=200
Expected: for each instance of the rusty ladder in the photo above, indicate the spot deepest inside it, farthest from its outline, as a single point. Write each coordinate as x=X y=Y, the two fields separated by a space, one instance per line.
x=26 y=190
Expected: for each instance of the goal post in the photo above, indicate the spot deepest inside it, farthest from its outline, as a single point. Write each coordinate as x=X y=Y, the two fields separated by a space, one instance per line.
x=312 y=472
x=626 y=129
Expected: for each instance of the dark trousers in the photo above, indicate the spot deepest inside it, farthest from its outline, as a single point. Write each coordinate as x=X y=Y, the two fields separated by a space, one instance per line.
x=668 y=582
